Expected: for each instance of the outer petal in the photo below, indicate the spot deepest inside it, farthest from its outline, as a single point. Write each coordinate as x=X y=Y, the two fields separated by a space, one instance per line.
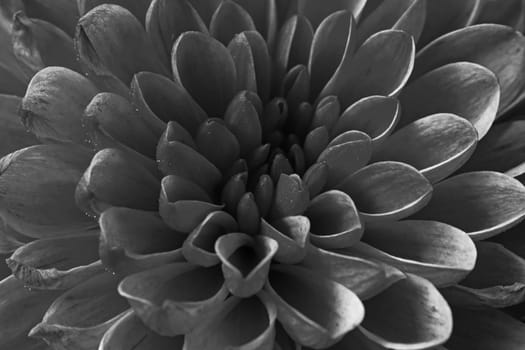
x=316 y=11
x=56 y=263
x=387 y=190
x=129 y=333
x=13 y=135
x=228 y=20
x=438 y=252
x=21 y=309
x=175 y=298
x=78 y=319
x=436 y=145
x=54 y=102
x=138 y=7
x=466 y=89
x=418 y=316
x=237 y=324
x=61 y=13
x=498 y=280
x=379 y=68
x=337 y=310
x=482 y=204
x=37 y=186
x=489 y=40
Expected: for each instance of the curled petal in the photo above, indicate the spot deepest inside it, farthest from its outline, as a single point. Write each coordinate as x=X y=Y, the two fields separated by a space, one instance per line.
x=245 y=261
x=13 y=135
x=56 y=263
x=334 y=220
x=102 y=43
x=36 y=190
x=292 y=235
x=418 y=316
x=131 y=237
x=27 y=307
x=498 y=279
x=438 y=252
x=199 y=247
x=196 y=58
x=54 y=102
x=129 y=333
x=436 y=145
x=496 y=201
x=376 y=116
x=240 y=324
x=363 y=277
x=79 y=318
x=381 y=66
x=466 y=89
x=115 y=179
x=183 y=204
x=174 y=298
x=337 y=310
x=489 y=40
x=387 y=190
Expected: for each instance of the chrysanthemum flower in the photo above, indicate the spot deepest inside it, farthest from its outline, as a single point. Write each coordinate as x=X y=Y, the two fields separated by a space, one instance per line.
x=205 y=174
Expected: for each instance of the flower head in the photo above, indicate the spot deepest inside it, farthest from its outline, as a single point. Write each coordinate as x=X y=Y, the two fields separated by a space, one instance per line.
x=262 y=174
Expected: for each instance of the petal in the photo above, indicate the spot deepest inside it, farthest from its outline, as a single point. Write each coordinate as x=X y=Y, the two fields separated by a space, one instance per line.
x=508 y=13
x=376 y=116
x=159 y=97
x=38 y=44
x=485 y=329
x=10 y=240
x=129 y=333
x=445 y=16
x=242 y=55
x=115 y=179
x=245 y=261
x=138 y=7
x=242 y=119
x=345 y=155
x=111 y=115
x=316 y=12
x=334 y=220
x=291 y=197
x=61 y=13
x=436 y=145
x=105 y=49
x=381 y=65
x=12 y=83
x=328 y=47
x=205 y=8
x=482 y=204
x=214 y=132
x=228 y=20
x=37 y=186
x=183 y=204
x=337 y=310
x=462 y=88
x=438 y=252
x=131 y=237
x=500 y=150
x=497 y=281
x=418 y=316
x=78 y=319
x=363 y=277
x=179 y=159
x=406 y=15
x=56 y=263
x=174 y=298
x=199 y=247
x=489 y=40
x=196 y=58
x=240 y=324
x=291 y=234
x=166 y=20
x=54 y=102
x=13 y=134
x=21 y=309
x=387 y=191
